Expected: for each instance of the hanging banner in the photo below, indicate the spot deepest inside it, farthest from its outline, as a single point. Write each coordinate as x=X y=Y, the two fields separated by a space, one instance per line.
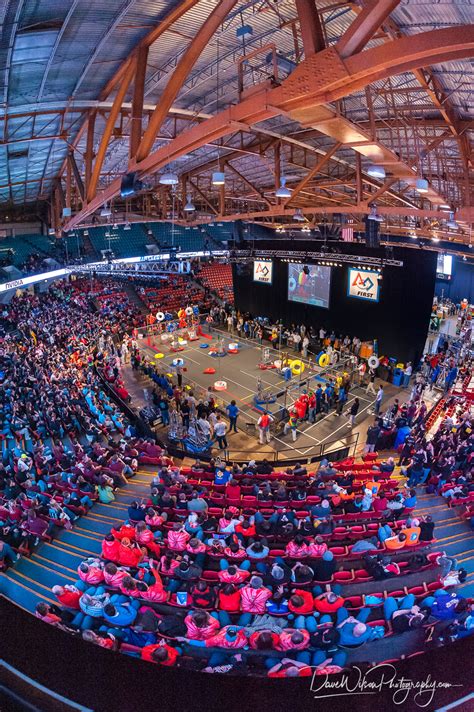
x=263 y=271
x=363 y=284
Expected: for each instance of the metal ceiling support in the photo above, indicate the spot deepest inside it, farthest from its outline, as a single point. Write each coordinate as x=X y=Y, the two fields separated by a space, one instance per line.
x=316 y=169
x=280 y=211
x=365 y=26
x=77 y=175
x=104 y=142
x=245 y=180
x=317 y=80
x=440 y=99
x=326 y=77
x=222 y=200
x=89 y=155
x=383 y=189
x=203 y=197
x=184 y=66
x=310 y=27
x=137 y=104
x=359 y=188
x=173 y=16
x=68 y=184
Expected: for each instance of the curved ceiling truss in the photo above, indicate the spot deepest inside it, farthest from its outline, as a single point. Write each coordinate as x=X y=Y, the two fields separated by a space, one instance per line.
x=316 y=92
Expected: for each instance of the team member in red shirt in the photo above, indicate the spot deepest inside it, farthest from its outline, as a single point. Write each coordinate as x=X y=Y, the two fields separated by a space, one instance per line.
x=201 y=625
x=233 y=574
x=178 y=537
x=254 y=596
x=110 y=548
x=68 y=596
x=328 y=602
x=264 y=640
x=301 y=602
x=229 y=599
x=160 y=653
x=291 y=639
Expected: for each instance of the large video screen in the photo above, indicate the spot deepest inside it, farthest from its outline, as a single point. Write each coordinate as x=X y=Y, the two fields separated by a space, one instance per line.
x=444 y=267
x=309 y=284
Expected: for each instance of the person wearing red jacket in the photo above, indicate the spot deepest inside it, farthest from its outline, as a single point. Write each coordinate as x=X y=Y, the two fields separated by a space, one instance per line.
x=301 y=602
x=129 y=555
x=264 y=640
x=328 y=602
x=110 y=548
x=200 y=625
x=254 y=596
x=232 y=574
x=126 y=531
x=229 y=600
x=160 y=653
x=291 y=639
x=68 y=596
x=144 y=537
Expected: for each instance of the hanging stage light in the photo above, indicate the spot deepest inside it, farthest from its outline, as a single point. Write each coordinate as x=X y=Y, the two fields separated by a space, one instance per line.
x=283 y=191
x=169 y=179
x=376 y=172
x=218 y=178
x=189 y=207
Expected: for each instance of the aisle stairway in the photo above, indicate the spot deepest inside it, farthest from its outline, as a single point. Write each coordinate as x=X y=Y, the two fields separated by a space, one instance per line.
x=55 y=563
x=453 y=535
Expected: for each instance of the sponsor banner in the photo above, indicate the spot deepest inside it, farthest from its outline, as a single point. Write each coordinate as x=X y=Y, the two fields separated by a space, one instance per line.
x=98 y=266
x=263 y=271
x=363 y=284
x=26 y=281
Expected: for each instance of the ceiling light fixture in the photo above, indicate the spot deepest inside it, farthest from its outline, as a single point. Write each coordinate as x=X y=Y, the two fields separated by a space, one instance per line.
x=169 y=179
x=189 y=207
x=283 y=191
x=218 y=178
x=421 y=185
x=376 y=172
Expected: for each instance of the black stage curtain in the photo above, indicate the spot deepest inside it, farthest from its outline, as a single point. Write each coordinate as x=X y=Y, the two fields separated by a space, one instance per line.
x=399 y=320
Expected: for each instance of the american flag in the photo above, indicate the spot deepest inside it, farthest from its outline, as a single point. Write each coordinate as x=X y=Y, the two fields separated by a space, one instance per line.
x=347 y=232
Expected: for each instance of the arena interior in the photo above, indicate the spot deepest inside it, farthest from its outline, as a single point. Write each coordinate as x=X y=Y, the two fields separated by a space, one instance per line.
x=236 y=355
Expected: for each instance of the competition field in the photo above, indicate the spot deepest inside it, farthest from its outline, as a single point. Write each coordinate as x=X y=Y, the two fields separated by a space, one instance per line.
x=241 y=372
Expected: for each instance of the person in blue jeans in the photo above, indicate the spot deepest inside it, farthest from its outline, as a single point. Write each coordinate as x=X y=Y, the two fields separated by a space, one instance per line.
x=391 y=604
x=245 y=565
x=384 y=532
x=92 y=605
x=320 y=656
x=353 y=631
x=224 y=619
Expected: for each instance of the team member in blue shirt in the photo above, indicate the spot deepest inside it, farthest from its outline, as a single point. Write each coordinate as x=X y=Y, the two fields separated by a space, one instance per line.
x=233 y=413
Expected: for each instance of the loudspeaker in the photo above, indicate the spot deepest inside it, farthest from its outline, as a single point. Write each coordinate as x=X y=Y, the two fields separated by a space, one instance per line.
x=372 y=229
x=130 y=185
